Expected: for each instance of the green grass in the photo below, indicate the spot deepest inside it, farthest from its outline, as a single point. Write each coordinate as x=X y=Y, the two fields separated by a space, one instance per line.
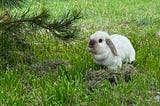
x=139 y=20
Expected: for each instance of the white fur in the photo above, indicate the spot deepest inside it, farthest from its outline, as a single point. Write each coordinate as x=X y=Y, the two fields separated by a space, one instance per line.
x=103 y=55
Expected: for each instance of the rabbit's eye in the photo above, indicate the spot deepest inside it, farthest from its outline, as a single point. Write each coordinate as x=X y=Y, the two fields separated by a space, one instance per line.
x=100 y=40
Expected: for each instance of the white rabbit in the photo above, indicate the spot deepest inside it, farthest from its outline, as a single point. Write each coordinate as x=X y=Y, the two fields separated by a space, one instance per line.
x=111 y=51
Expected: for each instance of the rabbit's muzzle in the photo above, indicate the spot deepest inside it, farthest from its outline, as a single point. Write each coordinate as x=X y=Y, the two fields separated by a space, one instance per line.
x=92 y=46
x=92 y=43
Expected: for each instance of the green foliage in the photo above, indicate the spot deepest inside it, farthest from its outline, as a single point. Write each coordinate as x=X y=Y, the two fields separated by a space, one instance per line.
x=65 y=28
x=10 y=3
x=15 y=29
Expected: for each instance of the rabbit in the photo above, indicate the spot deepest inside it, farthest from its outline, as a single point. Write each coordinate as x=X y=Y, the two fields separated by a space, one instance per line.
x=111 y=50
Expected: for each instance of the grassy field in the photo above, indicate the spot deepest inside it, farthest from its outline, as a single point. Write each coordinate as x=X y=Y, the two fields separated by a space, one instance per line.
x=139 y=20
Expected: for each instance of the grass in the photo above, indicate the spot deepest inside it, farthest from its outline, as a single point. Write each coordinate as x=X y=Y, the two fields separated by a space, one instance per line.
x=138 y=20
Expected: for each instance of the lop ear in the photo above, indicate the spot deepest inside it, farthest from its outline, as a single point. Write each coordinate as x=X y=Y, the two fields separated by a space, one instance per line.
x=112 y=47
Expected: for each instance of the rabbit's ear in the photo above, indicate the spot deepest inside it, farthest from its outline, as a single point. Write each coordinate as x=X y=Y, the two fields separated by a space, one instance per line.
x=112 y=47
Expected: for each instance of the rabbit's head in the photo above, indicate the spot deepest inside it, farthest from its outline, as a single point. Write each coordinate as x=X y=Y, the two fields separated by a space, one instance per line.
x=100 y=42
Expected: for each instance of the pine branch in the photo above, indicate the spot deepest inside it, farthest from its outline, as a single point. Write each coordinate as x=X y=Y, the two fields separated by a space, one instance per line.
x=10 y=3
x=13 y=30
x=63 y=28
x=35 y=19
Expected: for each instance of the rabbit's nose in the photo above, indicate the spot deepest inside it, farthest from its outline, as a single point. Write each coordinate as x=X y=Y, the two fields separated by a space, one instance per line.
x=92 y=43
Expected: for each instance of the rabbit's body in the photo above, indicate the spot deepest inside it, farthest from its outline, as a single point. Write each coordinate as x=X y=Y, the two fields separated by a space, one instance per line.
x=112 y=51
x=124 y=48
x=111 y=62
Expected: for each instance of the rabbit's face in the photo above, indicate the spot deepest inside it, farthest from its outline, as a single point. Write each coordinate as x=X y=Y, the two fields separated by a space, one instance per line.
x=97 y=43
